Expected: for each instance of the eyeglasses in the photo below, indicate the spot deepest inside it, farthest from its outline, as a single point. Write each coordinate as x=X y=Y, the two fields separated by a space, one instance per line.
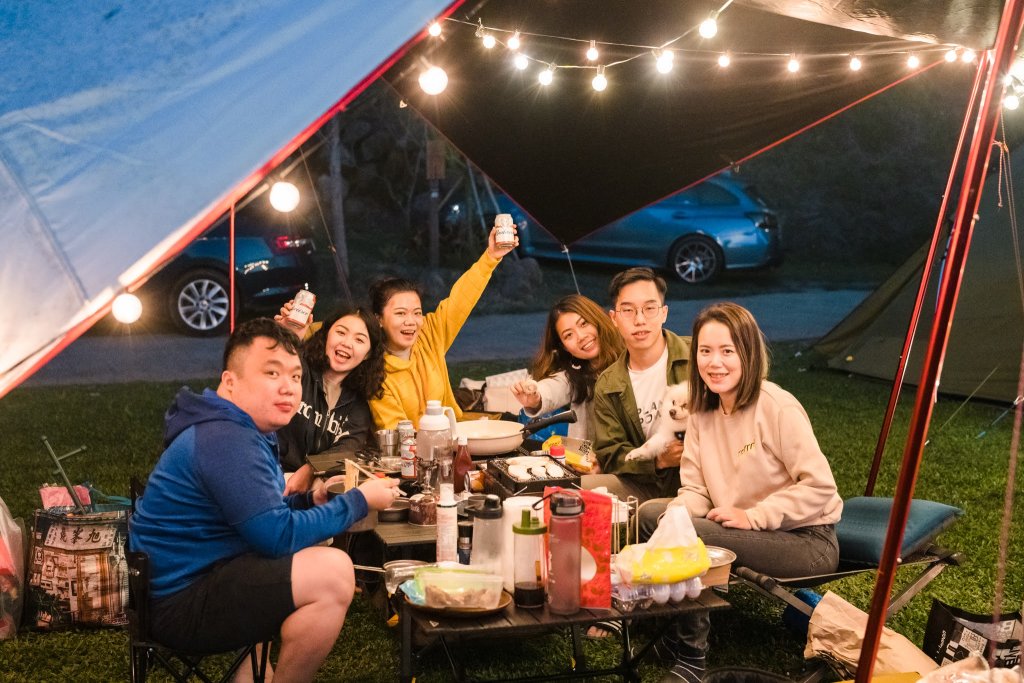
x=645 y=311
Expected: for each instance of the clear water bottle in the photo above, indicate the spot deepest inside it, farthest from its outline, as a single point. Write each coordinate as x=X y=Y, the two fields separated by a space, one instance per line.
x=488 y=535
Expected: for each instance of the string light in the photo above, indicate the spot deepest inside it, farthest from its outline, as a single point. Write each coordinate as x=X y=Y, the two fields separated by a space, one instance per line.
x=433 y=80
x=1017 y=69
x=708 y=27
x=284 y=196
x=664 y=61
x=1011 y=102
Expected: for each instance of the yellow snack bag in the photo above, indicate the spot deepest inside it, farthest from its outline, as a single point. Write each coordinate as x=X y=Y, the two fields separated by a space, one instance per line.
x=553 y=440
x=644 y=564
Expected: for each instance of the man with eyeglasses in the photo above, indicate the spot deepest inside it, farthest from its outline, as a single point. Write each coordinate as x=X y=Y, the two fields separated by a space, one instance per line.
x=629 y=392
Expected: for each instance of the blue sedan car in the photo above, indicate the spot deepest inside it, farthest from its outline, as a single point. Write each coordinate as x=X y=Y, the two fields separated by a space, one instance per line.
x=695 y=234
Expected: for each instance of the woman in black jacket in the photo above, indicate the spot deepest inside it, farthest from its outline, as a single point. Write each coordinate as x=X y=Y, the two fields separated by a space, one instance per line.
x=342 y=369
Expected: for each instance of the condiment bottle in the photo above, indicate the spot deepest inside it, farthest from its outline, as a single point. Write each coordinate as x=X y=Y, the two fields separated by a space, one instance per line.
x=564 y=545
x=558 y=453
x=435 y=429
x=488 y=535
x=463 y=464
x=407 y=449
x=530 y=567
x=445 y=461
x=465 y=550
x=447 y=527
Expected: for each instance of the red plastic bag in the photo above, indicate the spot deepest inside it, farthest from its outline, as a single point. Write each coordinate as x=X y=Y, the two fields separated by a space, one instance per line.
x=596 y=548
x=12 y=571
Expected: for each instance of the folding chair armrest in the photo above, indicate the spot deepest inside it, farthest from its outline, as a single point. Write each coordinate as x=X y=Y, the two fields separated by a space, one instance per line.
x=770 y=585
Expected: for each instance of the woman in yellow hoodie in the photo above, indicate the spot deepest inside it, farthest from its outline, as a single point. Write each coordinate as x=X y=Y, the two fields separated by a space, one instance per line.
x=416 y=343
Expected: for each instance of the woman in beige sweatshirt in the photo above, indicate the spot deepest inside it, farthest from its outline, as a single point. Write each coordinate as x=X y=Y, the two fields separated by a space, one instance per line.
x=753 y=476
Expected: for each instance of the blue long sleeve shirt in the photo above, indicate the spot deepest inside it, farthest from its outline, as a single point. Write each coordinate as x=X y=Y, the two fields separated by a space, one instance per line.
x=218 y=492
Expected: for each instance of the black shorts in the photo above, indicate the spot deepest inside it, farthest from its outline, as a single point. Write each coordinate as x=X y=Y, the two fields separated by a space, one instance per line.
x=240 y=601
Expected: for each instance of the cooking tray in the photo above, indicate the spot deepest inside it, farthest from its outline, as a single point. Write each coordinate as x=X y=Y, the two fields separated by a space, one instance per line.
x=497 y=468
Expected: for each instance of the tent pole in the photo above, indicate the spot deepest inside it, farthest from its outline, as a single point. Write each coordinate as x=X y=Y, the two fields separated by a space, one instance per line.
x=926 y=274
x=231 y=270
x=994 y=63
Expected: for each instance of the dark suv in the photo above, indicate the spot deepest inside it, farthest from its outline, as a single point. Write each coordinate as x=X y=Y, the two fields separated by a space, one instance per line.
x=272 y=262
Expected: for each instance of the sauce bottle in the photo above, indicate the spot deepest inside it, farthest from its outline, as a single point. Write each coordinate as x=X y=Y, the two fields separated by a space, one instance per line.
x=463 y=464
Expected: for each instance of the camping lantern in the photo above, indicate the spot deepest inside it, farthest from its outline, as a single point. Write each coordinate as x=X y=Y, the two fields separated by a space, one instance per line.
x=284 y=196
x=126 y=308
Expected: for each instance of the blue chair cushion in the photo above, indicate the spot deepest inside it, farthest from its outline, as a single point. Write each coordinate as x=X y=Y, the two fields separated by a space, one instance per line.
x=865 y=520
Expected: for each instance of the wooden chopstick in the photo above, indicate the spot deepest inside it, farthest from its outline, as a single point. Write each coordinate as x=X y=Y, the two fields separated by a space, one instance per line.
x=369 y=473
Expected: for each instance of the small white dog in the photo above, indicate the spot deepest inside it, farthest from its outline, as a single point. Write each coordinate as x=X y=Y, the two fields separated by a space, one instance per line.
x=674 y=414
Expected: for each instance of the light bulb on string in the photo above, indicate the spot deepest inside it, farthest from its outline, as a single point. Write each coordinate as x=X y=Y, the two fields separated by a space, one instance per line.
x=855 y=64
x=599 y=82
x=434 y=29
x=793 y=65
x=708 y=28
x=284 y=196
x=724 y=60
x=489 y=41
x=433 y=80
x=514 y=42
x=951 y=55
x=1017 y=69
x=913 y=61
x=592 y=53
x=968 y=56
x=1011 y=101
x=521 y=61
x=664 y=61
x=546 y=76
x=126 y=308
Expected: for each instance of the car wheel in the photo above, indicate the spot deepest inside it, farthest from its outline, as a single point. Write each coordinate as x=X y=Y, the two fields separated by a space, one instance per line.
x=695 y=260
x=198 y=302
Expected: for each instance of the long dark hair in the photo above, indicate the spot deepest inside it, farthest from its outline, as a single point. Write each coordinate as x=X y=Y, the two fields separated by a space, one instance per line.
x=750 y=347
x=367 y=378
x=553 y=357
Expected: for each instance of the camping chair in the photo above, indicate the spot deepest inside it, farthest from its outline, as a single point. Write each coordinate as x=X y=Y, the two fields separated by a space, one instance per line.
x=861 y=532
x=146 y=653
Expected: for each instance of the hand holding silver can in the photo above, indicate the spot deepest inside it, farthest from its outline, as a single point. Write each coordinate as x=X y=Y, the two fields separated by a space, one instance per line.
x=302 y=309
x=505 y=237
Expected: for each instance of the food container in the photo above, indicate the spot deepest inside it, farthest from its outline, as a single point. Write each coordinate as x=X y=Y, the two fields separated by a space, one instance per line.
x=367 y=523
x=721 y=564
x=423 y=510
x=397 y=572
x=398 y=512
x=459 y=589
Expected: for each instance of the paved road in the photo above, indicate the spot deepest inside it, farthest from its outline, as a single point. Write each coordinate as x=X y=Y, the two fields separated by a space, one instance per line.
x=98 y=359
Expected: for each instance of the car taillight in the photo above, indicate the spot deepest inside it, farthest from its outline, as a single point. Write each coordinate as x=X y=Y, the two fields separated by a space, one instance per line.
x=765 y=221
x=284 y=243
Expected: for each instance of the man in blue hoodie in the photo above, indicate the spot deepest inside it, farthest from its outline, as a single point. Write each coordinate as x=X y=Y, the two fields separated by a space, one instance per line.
x=234 y=561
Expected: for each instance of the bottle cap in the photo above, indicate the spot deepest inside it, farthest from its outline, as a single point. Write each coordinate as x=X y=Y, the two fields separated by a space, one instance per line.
x=529 y=526
x=447 y=498
x=557 y=451
x=566 y=504
x=491 y=508
x=463 y=440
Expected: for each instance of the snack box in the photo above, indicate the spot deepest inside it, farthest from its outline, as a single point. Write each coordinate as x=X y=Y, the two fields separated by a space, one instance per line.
x=459 y=588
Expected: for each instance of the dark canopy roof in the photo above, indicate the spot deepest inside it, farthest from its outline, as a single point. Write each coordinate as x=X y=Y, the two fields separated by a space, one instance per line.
x=577 y=159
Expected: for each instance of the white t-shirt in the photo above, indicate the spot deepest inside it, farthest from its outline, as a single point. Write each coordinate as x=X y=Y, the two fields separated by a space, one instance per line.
x=649 y=388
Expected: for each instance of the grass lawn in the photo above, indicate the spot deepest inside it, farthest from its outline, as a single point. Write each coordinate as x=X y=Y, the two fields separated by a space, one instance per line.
x=121 y=425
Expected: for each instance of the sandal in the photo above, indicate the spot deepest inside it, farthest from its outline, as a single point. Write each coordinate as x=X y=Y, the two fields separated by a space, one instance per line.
x=603 y=629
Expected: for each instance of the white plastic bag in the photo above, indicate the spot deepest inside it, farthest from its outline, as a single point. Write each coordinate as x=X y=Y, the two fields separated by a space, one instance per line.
x=673 y=553
x=12 y=571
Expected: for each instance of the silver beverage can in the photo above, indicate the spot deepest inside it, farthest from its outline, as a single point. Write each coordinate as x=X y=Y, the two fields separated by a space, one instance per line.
x=302 y=308
x=407 y=449
x=505 y=236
